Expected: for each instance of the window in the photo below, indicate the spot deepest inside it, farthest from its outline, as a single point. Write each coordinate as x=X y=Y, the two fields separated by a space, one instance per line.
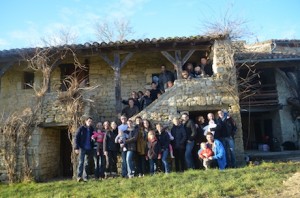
x=28 y=80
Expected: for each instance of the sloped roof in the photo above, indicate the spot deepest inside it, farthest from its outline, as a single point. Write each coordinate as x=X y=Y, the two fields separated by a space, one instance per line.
x=126 y=45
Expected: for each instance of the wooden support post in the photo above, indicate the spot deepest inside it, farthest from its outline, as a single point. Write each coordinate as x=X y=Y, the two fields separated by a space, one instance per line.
x=117 y=65
x=177 y=61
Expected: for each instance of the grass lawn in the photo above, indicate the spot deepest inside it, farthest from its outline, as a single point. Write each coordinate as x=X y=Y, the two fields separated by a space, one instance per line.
x=264 y=180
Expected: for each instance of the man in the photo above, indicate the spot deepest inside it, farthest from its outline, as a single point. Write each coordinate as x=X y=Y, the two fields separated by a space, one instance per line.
x=131 y=109
x=164 y=77
x=227 y=135
x=191 y=133
x=206 y=68
x=154 y=91
x=84 y=147
x=179 y=134
x=123 y=127
x=219 y=158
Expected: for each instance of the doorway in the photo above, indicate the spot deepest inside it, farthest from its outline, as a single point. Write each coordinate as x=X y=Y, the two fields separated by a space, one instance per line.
x=66 y=169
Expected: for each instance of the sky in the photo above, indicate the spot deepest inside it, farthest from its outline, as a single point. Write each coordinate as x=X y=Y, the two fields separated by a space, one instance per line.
x=24 y=23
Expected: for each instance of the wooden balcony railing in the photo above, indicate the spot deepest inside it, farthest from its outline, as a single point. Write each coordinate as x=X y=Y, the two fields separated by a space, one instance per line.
x=266 y=96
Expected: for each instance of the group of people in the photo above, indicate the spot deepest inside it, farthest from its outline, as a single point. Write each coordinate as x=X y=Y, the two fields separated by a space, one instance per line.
x=146 y=148
x=140 y=100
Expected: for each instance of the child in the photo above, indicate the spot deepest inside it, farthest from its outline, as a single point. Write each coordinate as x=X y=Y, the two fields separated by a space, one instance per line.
x=205 y=153
x=210 y=125
x=121 y=137
x=153 y=150
x=98 y=137
x=99 y=159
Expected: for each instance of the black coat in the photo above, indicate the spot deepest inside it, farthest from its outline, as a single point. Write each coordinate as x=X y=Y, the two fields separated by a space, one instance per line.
x=190 y=129
x=164 y=140
x=109 y=141
x=179 y=134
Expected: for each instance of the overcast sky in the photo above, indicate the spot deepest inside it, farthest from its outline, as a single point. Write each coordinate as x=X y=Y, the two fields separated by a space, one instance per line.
x=25 y=22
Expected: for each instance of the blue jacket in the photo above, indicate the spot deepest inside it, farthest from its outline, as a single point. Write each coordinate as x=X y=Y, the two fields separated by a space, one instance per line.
x=81 y=135
x=219 y=154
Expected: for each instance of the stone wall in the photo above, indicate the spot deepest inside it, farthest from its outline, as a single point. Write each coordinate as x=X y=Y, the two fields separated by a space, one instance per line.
x=44 y=153
x=205 y=94
x=287 y=123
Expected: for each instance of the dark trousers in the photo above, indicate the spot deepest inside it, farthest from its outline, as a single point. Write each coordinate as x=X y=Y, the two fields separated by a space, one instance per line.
x=179 y=159
x=111 y=166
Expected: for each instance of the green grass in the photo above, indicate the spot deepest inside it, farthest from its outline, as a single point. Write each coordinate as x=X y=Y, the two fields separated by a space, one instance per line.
x=263 y=180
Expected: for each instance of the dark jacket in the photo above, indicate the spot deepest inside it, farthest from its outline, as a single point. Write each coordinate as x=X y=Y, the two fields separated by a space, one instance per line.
x=132 y=139
x=190 y=129
x=164 y=78
x=145 y=101
x=179 y=134
x=218 y=129
x=164 y=140
x=109 y=141
x=153 y=93
x=82 y=135
x=229 y=128
x=129 y=112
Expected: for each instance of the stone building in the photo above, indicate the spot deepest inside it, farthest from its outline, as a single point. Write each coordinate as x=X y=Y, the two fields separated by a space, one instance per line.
x=271 y=116
x=116 y=69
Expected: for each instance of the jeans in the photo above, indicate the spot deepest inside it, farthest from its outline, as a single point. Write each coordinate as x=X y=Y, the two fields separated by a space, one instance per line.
x=130 y=163
x=228 y=143
x=124 y=164
x=188 y=155
x=99 y=161
x=152 y=163
x=83 y=164
x=164 y=159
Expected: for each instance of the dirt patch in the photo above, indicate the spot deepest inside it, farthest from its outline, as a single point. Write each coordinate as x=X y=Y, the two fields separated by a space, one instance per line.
x=291 y=187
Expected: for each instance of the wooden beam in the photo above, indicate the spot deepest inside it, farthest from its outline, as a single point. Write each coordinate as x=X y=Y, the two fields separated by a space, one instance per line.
x=188 y=55
x=106 y=59
x=117 y=65
x=169 y=57
x=126 y=59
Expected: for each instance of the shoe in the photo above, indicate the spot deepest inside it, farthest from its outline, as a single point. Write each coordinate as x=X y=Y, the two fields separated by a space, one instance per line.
x=85 y=180
x=79 y=179
x=172 y=156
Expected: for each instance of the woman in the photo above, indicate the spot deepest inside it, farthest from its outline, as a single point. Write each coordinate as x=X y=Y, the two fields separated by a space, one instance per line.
x=219 y=157
x=141 y=145
x=164 y=141
x=110 y=150
x=131 y=147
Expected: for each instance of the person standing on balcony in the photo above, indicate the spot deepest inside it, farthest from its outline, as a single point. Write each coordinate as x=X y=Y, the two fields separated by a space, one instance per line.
x=191 y=133
x=205 y=67
x=131 y=109
x=84 y=148
x=154 y=91
x=145 y=100
x=164 y=77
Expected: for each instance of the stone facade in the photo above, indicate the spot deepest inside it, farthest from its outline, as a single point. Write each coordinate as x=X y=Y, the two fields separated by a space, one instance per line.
x=206 y=94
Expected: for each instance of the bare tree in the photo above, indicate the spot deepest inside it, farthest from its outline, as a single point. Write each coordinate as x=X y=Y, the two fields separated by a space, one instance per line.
x=116 y=30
